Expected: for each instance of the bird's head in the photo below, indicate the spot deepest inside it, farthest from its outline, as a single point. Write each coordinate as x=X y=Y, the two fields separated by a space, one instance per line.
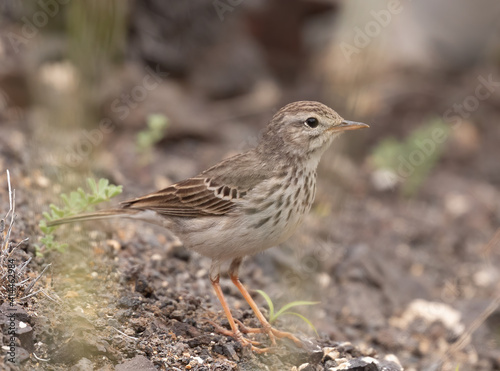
x=305 y=128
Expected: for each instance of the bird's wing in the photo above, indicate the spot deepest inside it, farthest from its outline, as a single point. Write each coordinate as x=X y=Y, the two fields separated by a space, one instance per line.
x=212 y=193
x=192 y=197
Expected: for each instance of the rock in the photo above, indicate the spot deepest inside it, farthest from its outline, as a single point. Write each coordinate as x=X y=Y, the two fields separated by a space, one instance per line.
x=181 y=253
x=129 y=302
x=330 y=353
x=229 y=352
x=76 y=349
x=431 y=312
x=22 y=355
x=136 y=363
x=306 y=367
x=177 y=315
x=17 y=310
x=200 y=340
x=184 y=329
x=84 y=364
x=142 y=286
x=106 y=367
x=25 y=335
x=366 y=364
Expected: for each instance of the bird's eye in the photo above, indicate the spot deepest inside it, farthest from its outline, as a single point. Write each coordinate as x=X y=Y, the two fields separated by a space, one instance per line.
x=312 y=122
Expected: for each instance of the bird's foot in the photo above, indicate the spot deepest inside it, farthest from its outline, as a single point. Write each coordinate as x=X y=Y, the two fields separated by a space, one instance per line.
x=238 y=336
x=271 y=332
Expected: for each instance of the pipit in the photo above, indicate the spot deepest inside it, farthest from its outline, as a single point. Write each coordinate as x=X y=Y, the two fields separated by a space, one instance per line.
x=247 y=203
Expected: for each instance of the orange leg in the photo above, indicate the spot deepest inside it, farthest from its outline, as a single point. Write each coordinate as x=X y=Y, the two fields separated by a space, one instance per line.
x=235 y=332
x=266 y=326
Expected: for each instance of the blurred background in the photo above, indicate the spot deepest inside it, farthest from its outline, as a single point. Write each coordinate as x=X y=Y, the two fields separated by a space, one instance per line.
x=402 y=246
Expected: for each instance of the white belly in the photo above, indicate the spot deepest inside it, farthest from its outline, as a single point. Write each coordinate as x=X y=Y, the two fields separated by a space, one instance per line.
x=254 y=229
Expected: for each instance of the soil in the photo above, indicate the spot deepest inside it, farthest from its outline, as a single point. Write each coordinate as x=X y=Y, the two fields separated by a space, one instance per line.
x=400 y=282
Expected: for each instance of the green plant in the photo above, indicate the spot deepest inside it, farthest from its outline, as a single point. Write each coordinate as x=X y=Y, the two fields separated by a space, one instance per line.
x=76 y=202
x=285 y=310
x=146 y=139
x=412 y=159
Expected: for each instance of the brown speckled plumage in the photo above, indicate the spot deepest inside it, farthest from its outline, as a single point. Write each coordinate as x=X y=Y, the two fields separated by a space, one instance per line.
x=249 y=202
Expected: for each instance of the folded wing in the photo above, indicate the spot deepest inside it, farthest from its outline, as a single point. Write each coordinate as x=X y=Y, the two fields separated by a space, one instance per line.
x=192 y=197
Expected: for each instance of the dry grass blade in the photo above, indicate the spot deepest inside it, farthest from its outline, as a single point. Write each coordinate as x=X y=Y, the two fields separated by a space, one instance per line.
x=11 y=213
x=11 y=275
x=494 y=242
x=30 y=286
x=465 y=338
x=24 y=265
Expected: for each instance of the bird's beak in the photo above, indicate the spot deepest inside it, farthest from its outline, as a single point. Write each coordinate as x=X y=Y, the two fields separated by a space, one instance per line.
x=349 y=125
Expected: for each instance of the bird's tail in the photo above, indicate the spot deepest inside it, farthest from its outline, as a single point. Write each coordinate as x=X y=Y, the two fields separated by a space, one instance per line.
x=104 y=214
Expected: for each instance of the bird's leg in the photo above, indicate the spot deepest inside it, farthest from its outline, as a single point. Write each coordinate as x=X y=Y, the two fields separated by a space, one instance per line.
x=235 y=332
x=266 y=326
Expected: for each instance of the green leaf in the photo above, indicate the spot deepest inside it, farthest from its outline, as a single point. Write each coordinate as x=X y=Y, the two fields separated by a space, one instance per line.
x=157 y=122
x=38 y=251
x=269 y=303
x=113 y=191
x=393 y=155
x=309 y=323
x=61 y=247
x=292 y=305
x=92 y=185
x=43 y=227
x=386 y=153
x=47 y=240
x=103 y=184
x=81 y=194
x=74 y=203
x=66 y=200
x=56 y=211
x=155 y=131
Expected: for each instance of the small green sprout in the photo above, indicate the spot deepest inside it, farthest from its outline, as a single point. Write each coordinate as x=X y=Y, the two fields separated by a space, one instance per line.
x=412 y=159
x=285 y=310
x=76 y=202
x=146 y=139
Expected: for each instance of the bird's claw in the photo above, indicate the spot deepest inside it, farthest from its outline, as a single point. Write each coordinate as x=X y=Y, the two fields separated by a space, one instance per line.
x=238 y=336
x=271 y=332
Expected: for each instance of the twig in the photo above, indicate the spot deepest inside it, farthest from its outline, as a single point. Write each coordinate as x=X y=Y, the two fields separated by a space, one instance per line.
x=40 y=359
x=12 y=208
x=488 y=248
x=11 y=211
x=32 y=294
x=22 y=282
x=124 y=334
x=10 y=195
x=23 y=267
x=464 y=339
x=30 y=286
x=36 y=292
x=56 y=300
x=12 y=217
x=16 y=246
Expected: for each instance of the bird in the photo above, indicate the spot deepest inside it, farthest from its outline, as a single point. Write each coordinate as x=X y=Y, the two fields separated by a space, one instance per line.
x=245 y=204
